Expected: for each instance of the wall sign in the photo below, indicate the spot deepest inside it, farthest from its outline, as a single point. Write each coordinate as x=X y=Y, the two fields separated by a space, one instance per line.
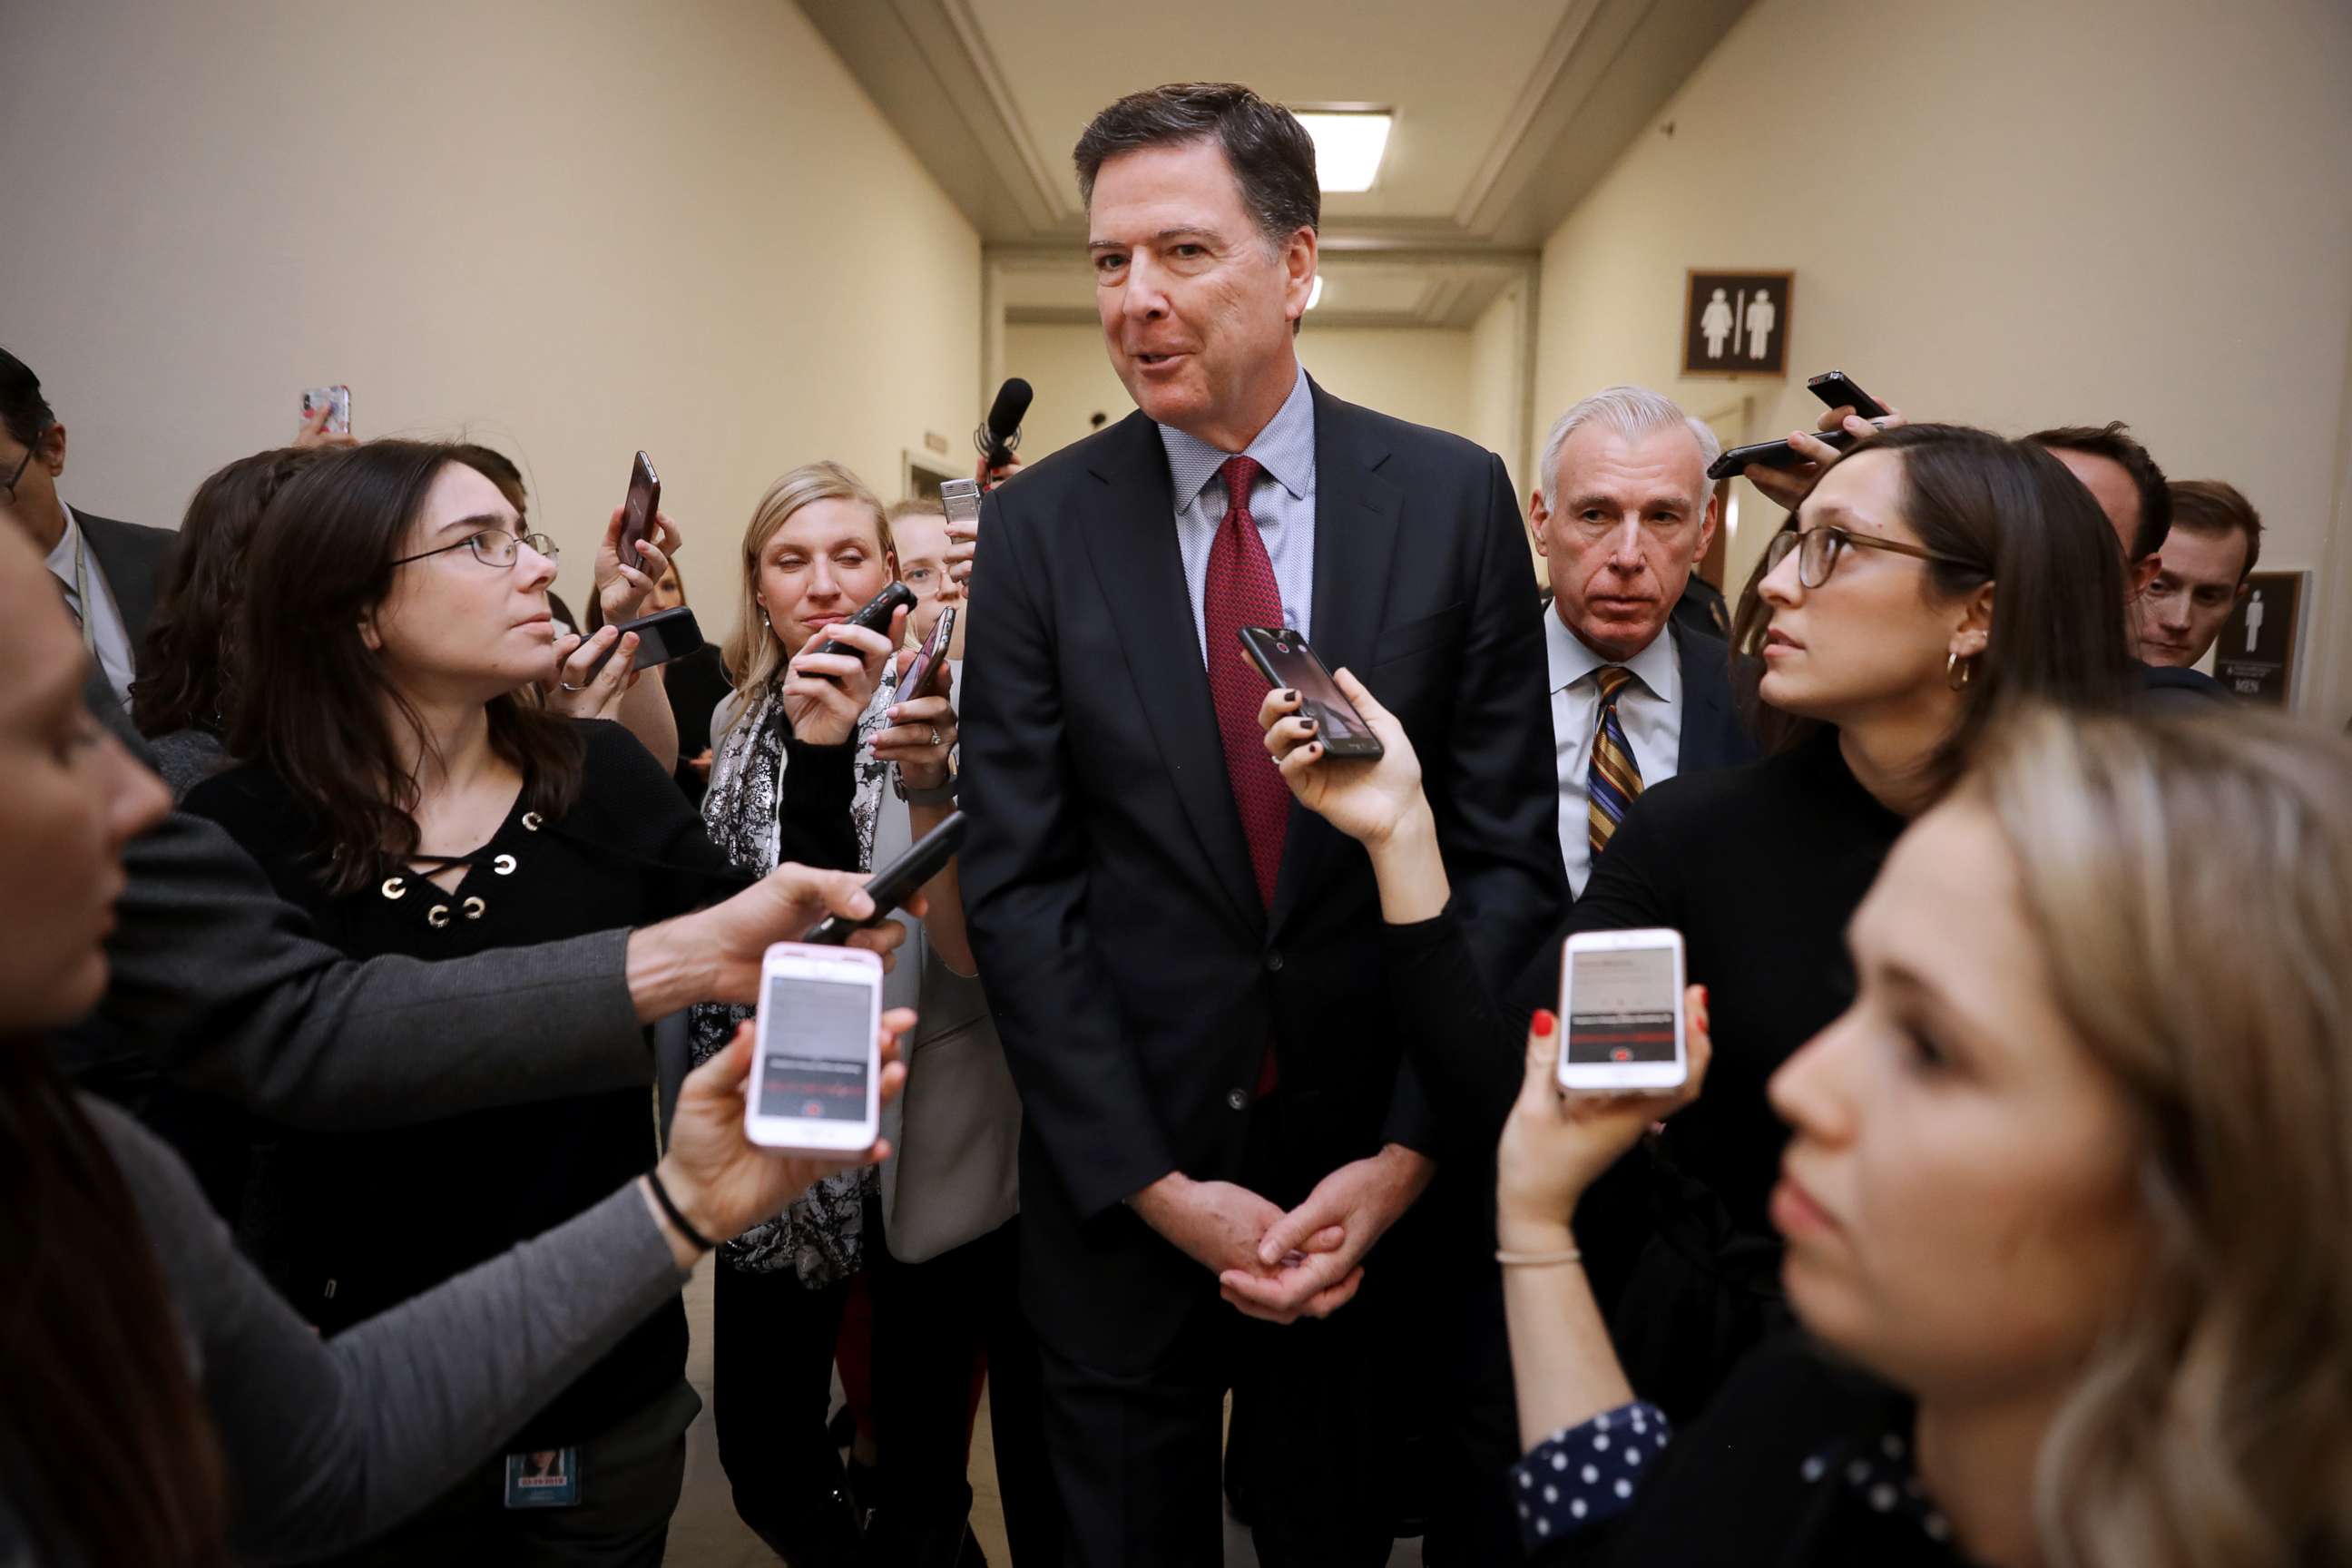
x=2254 y=655
x=1735 y=323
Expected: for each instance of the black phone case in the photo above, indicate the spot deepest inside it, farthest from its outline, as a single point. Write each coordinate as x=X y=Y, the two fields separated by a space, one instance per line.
x=1365 y=748
x=874 y=615
x=896 y=882
x=1773 y=454
x=1836 y=389
x=662 y=637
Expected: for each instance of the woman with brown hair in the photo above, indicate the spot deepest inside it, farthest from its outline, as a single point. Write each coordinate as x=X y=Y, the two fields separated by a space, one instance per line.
x=2062 y=1206
x=1933 y=578
x=395 y=786
x=163 y=1404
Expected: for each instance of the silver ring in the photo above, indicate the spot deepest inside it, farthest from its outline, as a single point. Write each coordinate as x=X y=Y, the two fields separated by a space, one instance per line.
x=569 y=687
x=935 y=734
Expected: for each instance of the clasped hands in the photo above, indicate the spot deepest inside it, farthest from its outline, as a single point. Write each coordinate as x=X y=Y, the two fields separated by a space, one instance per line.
x=1282 y=1267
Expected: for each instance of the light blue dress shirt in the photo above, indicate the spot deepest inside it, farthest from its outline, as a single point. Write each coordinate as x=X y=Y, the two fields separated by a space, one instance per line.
x=1282 y=505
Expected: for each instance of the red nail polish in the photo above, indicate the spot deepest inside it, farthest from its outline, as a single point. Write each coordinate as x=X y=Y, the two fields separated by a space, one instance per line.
x=1543 y=1022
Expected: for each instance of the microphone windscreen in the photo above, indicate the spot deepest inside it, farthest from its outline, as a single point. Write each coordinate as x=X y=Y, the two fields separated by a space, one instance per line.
x=1012 y=405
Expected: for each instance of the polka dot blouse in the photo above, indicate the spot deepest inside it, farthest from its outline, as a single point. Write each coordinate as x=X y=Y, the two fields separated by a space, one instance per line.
x=1583 y=1475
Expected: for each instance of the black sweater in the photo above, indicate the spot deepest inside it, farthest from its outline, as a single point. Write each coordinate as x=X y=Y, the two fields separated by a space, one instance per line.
x=349 y=1224
x=1760 y=868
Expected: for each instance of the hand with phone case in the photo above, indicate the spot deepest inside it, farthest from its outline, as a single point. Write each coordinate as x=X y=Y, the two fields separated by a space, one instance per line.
x=1850 y=412
x=830 y=680
x=1366 y=797
x=922 y=736
x=639 y=541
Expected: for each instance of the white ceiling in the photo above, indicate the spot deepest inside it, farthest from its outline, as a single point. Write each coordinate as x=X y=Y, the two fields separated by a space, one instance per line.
x=1507 y=112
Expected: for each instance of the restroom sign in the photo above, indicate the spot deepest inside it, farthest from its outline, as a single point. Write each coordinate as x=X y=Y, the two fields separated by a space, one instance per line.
x=2255 y=655
x=1737 y=323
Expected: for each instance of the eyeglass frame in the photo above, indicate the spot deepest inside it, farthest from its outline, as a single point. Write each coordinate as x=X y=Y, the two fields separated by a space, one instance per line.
x=27 y=460
x=544 y=543
x=1774 y=552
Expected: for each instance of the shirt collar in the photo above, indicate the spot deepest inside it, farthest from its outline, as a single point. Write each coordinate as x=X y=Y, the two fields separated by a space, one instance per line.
x=1655 y=667
x=1285 y=449
x=62 y=556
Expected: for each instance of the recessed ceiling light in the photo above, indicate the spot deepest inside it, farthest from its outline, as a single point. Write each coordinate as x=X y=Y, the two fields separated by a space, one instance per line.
x=1348 y=146
x=1315 y=294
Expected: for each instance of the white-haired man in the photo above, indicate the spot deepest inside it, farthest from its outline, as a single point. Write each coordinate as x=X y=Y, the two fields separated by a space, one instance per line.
x=1623 y=511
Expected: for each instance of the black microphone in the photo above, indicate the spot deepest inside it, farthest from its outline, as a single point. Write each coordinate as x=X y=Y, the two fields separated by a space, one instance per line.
x=1001 y=433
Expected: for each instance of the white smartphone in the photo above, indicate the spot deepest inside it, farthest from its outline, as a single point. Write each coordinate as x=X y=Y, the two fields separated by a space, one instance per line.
x=816 y=1069
x=1621 y=1003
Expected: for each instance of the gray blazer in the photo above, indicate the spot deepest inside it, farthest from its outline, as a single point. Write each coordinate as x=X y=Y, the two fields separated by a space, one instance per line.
x=217 y=982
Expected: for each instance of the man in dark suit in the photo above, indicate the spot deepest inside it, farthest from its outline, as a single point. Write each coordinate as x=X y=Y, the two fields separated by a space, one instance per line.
x=1624 y=511
x=108 y=571
x=1186 y=971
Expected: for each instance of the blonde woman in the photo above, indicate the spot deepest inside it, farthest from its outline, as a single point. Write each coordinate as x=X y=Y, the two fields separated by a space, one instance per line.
x=805 y=750
x=2064 y=1203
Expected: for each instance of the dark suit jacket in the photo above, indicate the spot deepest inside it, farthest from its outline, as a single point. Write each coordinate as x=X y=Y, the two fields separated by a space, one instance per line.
x=2165 y=688
x=1135 y=974
x=1713 y=736
x=133 y=559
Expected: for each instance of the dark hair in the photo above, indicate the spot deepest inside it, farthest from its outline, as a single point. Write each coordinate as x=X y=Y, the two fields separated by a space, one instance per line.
x=2024 y=523
x=2213 y=508
x=108 y=1451
x=320 y=560
x=1270 y=152
x=22 y=409
x=189 y=654
x=498 y=468
x=2114 y=442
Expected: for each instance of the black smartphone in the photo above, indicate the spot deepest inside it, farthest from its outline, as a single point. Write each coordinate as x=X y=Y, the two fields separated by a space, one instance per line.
x=895 y=883
x=663 y=635
x=873 y=616
x=638 y=511
x=1774 y=454
x=1836 y=389
x=928 y=657
x=1283 y=657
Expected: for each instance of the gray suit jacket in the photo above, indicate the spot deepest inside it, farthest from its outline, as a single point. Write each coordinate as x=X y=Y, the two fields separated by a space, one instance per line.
x=218 y=983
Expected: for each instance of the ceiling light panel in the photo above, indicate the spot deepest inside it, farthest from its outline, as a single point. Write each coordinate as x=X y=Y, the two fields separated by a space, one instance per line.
x=1347 y=147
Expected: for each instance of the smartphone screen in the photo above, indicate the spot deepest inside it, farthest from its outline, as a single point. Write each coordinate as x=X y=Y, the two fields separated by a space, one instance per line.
x=817 y=1048
x=1286 y=660
x=1622 y=1003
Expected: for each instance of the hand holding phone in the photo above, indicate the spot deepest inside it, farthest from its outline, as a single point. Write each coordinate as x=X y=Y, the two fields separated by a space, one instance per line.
x=816 y=1068
x=960 y=499
x=897 y=882
x=662 y=637
x=1283 y=657
x=928 y=658
x=1837 y=390
x=873 y=616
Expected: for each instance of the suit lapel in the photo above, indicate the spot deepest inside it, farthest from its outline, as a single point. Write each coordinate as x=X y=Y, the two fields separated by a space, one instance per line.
x=1132 y=543
x=129 y=569
x=1356 y=518
x=1707 y=699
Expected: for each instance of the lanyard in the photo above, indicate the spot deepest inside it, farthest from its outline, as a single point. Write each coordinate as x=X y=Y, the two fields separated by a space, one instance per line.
x=81 y=591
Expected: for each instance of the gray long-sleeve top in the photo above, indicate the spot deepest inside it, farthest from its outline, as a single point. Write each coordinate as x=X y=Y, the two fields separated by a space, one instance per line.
x=332 y=1442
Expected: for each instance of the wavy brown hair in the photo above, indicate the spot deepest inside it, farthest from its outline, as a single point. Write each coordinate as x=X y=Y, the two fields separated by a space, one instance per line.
x=190 y=649
x=109 y=1454
x=319 y=711
x=2191 y=878
x=2021 y=521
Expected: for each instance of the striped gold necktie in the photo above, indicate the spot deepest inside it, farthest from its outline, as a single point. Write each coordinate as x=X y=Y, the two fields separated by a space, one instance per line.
x=1614 y=779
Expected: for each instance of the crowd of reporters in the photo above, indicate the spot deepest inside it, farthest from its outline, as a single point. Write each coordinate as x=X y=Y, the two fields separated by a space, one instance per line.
x=374 y=1080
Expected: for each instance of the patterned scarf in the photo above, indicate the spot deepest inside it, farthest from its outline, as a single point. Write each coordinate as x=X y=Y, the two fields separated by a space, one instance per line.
x=822 y=1236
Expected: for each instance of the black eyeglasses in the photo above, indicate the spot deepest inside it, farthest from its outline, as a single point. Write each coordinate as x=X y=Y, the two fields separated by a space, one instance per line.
x=493 y=547
x=1818 y=549
x=22 y=463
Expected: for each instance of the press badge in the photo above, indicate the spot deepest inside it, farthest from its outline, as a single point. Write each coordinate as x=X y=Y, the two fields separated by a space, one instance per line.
x=543 y=1477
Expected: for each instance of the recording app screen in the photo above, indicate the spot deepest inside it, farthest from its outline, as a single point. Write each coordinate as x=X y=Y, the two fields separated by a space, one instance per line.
x=1621 y=1006
x=818 y=1037
x=1323 y=700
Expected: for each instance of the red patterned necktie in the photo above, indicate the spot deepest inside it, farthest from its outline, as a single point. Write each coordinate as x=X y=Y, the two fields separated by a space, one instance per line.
x=1241 y=592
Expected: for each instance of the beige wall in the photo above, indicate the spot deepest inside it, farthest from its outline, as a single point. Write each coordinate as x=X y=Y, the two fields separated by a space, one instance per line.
x=573 y=229
x=2013 y=213
x=1422 y=374
x=1498 y=391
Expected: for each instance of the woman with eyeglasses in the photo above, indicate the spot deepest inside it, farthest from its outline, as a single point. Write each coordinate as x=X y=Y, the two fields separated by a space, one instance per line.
x=1935 y=577
x=396 y=787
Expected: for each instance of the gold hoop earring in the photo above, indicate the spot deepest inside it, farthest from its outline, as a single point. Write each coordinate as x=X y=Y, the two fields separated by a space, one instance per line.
x=1958 y=671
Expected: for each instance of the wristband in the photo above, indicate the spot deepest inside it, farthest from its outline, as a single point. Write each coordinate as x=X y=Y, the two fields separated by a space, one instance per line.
x=938 y=794
x=676 y=1215
x=1540 y=1259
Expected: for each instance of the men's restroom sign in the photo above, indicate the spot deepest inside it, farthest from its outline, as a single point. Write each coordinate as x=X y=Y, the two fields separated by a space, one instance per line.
x=2255 y=655
x=1737 y=323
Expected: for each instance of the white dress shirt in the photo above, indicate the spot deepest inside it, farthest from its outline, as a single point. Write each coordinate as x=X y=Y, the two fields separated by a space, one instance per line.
x=1650 y=709
x=1283 y=508
x=108 y=638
